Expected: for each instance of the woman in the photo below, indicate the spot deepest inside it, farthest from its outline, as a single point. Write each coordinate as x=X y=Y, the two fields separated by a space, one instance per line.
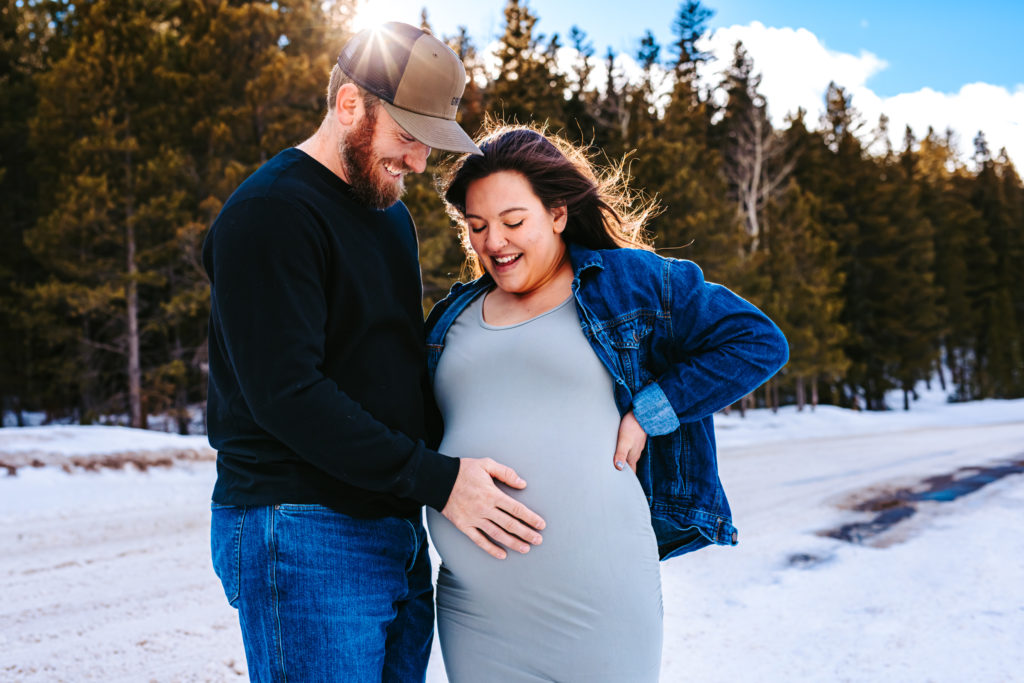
x=573 y=347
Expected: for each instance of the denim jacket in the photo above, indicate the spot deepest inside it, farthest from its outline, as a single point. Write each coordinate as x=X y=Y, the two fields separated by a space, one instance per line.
x=679 y=349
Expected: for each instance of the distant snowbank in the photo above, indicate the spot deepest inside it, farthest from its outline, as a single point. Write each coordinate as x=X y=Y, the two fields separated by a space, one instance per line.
x=92 y=447
x=931 y=410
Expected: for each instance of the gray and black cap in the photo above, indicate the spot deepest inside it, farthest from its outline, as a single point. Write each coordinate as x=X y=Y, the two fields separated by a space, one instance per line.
x=418 y=78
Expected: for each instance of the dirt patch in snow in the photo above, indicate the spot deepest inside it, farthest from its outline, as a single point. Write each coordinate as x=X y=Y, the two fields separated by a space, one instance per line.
x=139 y=459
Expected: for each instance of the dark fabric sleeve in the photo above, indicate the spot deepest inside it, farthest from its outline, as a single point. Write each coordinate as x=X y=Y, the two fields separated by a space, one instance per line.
x=723 y=348
x=268 y=270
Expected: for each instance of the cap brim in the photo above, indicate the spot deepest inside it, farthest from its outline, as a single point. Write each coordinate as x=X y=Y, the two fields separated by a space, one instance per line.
x=432 y=131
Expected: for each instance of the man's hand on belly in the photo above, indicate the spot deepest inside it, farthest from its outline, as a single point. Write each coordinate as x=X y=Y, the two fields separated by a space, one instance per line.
x=479 y=509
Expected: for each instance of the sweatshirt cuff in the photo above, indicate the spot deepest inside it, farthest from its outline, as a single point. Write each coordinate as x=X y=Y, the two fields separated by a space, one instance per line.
x=653 y=411
x=435 y=479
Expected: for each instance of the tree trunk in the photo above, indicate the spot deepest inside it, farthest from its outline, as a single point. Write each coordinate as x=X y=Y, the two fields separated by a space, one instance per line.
x=906 y=399
x=775 y=397
x=956 y=374
x=799 y=394
x=132 y=299
x=181 y=395
x=814 y=392
x=941 y=374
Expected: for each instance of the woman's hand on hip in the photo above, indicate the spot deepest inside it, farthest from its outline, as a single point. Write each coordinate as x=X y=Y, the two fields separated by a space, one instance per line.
x=631 y=442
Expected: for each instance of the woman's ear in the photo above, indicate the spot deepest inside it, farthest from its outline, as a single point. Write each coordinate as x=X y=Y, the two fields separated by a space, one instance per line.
x=560 y=214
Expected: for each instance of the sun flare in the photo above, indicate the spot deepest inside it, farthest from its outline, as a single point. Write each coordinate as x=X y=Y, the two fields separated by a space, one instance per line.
x=375 y=12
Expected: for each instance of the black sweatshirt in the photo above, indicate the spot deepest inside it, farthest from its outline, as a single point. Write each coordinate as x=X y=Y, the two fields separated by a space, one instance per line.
x=318 y=388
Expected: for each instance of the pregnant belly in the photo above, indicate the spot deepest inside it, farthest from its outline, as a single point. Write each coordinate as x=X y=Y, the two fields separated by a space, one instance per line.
x=597 y=527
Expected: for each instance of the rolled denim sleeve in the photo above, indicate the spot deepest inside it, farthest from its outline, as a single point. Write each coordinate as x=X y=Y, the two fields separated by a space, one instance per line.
x=654 y=411
x=720 y=348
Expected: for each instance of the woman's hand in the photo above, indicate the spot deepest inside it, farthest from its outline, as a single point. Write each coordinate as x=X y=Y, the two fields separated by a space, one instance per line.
x=631 y=442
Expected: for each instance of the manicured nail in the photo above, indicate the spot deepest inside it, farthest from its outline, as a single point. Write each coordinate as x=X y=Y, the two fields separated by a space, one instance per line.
x=619 y=464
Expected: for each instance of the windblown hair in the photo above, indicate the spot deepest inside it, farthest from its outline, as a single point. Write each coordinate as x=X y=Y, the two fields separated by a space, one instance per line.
x=602 y=212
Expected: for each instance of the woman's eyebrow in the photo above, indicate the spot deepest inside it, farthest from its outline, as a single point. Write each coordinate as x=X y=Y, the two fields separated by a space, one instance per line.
x=501 y=213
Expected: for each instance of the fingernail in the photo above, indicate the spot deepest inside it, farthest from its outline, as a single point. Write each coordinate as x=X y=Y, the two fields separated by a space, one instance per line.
x=619 y=464
x=521 y=481
x=524 y=549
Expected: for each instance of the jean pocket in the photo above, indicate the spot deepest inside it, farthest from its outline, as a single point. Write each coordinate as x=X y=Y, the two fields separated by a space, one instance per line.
x=226 y=523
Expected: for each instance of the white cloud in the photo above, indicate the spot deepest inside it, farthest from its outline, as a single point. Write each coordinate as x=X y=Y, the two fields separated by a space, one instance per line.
x=796 y=68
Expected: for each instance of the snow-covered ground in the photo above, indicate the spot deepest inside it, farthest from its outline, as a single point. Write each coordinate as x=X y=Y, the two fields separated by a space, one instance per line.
x=105 y=574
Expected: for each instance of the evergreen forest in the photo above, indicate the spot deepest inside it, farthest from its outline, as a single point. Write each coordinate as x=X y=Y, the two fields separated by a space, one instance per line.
x=125 y=125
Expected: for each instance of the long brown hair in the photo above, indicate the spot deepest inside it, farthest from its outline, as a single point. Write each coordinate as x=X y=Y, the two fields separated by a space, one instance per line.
x=602 y=213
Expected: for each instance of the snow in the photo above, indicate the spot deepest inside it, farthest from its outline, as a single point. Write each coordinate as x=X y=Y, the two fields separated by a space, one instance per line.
x=69 y=446
x=105 y=573
x=77 y=440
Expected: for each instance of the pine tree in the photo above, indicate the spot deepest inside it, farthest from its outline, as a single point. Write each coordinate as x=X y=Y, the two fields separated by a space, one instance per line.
x=914 y=299
x=804 y=291
x=581 y=107
x=134 y=190
x=996 y=196
x=964 y=262
x=528 y=86
x=689 y=26
x=643 y=105
x=107 y=96
x=613 y=117
x=675 y=161
x=471 y=109
x=27 y=42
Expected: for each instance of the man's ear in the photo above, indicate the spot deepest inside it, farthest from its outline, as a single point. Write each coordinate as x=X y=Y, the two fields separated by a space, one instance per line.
x=560 y=214
x=347 y=104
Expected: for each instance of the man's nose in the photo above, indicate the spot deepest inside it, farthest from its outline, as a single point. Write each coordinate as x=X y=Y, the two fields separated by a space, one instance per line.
x=416 y=159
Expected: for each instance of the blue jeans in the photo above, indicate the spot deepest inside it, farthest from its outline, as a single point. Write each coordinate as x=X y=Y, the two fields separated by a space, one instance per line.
x=322 y=596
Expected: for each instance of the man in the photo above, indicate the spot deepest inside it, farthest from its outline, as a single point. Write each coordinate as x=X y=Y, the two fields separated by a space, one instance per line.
x=317 y=396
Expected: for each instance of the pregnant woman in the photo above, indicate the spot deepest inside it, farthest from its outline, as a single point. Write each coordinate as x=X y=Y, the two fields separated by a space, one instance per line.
x=575 y=345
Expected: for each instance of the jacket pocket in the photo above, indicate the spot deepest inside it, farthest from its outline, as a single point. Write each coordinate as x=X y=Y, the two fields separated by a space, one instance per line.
x=628 y=338
x=226 y=522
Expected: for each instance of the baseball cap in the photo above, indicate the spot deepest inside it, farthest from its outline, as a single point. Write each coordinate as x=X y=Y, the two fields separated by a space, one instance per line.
x=418 y=79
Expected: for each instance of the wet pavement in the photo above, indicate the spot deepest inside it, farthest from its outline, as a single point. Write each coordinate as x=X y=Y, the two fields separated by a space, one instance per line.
x=892 y=507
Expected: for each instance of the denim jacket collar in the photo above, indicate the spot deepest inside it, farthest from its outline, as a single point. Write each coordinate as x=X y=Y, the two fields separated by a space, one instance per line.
x=583 y=258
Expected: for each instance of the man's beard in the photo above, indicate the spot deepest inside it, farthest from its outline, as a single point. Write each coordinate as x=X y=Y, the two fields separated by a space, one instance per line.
x=369 y=181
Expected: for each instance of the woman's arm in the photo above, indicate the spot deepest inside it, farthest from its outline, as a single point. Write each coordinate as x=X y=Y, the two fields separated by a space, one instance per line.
x=720 y=347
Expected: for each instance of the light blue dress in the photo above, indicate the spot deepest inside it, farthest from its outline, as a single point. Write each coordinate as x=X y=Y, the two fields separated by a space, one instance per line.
x=585 y=605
